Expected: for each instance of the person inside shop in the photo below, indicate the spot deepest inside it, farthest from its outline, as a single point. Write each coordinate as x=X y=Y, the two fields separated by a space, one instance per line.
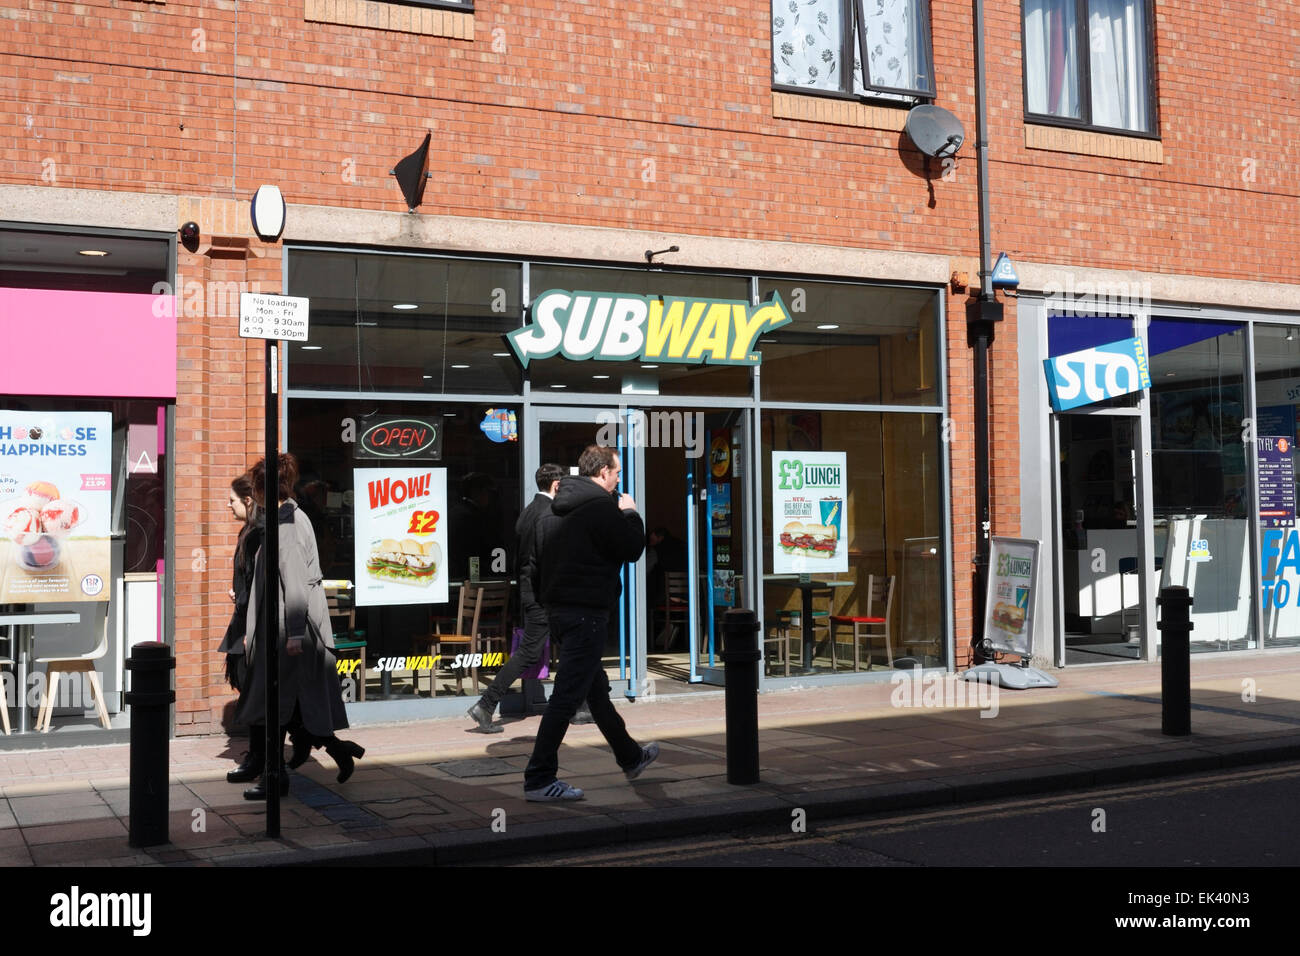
x=311 y=696
x=664 y=553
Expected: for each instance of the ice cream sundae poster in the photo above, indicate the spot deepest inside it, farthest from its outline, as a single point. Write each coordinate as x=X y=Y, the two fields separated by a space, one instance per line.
x=809 y=512
x=400 y=535
x=55 y=506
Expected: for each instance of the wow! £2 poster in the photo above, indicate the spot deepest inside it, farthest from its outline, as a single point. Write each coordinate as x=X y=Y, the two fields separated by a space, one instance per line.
x=55 y=506
x=400 y=535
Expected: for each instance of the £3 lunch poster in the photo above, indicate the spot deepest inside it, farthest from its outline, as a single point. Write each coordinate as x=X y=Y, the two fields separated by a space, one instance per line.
x=1009 y=601
x=55 y=506
x=809 y=512
x=400 y=535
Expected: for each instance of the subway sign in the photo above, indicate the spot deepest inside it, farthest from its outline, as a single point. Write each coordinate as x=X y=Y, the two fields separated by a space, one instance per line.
x=1092 y=375
x=389 y=437
x=625 y=328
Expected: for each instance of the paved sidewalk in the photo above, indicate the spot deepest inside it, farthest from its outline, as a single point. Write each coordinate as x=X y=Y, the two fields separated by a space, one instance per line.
x=431 y=791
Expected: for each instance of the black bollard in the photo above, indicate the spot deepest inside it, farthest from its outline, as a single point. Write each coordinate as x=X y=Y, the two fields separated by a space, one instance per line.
x=1175 y=629
x=741 y=655
x=149 y=698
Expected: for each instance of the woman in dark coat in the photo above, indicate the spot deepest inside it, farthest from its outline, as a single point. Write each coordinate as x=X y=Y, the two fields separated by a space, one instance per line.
x=311 y=698
x=245 y=509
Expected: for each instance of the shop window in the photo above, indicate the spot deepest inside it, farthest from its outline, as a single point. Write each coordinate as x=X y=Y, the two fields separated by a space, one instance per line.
x=638 y=375
x=1277 y=394
x=386 y=323
x=823 y=45
x=1112 y=86
x=852 y=344
x=1199 y=474
x=869 y=486
x=479 y=461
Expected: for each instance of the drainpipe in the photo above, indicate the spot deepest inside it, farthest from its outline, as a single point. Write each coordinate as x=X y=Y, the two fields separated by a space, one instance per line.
x=982 y=313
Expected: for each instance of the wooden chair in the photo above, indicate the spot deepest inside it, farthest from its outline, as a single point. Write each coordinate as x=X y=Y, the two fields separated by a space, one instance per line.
x=870 y=626
x=343 y=622
x=676 y=607
x=480 y=621
x=781 y=634
x=84 y=664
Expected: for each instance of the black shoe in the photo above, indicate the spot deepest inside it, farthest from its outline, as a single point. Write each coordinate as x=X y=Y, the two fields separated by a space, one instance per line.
x=259 y=792
x=250 y=769
x=483 y=717
x=301 y=751
x=344 y=753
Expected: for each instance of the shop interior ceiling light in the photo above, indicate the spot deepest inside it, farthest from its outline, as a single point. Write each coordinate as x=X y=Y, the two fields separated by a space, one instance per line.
x=92 y=252
x=267 y=210
x=405 y=306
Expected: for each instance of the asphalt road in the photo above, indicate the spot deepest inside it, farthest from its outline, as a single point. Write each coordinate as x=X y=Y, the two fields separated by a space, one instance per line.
x=1240 y=818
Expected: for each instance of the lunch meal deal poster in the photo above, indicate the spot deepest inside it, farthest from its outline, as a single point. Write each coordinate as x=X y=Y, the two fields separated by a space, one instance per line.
x=1009 y=602
x=808 y=512
x=55 y=505
x=400 y=535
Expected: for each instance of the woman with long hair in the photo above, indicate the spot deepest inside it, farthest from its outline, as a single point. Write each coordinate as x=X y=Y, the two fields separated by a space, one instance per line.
x=311 y=697
x=246 y=511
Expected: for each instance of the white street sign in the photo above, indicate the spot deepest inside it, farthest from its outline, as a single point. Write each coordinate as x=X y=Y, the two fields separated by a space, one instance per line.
x=273 y=316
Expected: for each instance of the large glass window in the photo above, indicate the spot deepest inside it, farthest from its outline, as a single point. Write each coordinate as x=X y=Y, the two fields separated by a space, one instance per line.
x=852 y=344
x=1200 y=480
x=1112 y=87
x=387 y=323
x=483 y=501
x=824 y=44
x=880 y=518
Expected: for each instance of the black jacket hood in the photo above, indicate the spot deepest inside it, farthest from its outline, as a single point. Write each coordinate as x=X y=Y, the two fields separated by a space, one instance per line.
x=576 y=491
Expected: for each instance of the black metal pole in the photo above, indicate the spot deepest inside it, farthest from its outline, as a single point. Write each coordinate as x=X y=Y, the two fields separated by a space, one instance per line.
x=1175 y=628
x=271 y=599
x=981 y=337
x=149 y=698
x=741 y=655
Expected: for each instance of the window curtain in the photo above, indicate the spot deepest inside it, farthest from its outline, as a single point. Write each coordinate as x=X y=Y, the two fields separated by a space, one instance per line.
x=807 y=37
x=1051 y=58
x=897 y=53
x=1117 y=29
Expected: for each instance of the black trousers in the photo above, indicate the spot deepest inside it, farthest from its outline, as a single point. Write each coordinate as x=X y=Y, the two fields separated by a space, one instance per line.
x=528 y=653
x=581 y=635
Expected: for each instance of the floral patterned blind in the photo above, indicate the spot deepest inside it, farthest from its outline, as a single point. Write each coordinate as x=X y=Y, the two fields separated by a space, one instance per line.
x=809 y=39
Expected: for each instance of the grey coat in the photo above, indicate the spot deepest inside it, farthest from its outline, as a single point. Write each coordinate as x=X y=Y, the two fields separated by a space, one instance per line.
x=308 y=681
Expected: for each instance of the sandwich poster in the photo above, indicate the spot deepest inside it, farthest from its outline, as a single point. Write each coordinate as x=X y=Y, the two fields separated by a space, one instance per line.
x=1009 y=603
x=400 y=535
x=809 y=513
x=55 y=506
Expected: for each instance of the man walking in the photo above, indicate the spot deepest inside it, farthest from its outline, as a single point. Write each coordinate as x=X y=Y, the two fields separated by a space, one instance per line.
x=583 y=545
x=529 y=651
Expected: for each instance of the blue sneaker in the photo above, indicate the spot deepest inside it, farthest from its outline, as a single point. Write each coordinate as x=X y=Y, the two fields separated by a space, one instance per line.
x=553 y=793
x=649 y=754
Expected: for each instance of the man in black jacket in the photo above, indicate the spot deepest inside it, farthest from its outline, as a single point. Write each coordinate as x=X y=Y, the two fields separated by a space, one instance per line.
x=535 y=628
x=583 y=545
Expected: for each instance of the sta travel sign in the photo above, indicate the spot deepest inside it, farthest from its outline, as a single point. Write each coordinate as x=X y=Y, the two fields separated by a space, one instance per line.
x=617 y=328
x=1091 y=375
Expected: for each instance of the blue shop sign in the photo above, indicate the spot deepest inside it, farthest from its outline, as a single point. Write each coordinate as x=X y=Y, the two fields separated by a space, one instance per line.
x=1094 y=374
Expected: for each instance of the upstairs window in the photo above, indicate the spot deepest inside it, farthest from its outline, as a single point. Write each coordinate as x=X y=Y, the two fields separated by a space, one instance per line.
x=823 y=45
x=1108 y=85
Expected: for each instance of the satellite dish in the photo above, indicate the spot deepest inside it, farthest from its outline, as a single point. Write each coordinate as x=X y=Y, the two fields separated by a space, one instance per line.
x=935 y=131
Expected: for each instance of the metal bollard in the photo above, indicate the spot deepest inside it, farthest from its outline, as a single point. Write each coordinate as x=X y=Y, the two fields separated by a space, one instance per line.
x=149 y=698
x=1175 y=629
x=741 y=655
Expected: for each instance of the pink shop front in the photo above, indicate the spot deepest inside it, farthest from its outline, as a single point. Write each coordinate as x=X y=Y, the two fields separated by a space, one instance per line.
x=85 y=482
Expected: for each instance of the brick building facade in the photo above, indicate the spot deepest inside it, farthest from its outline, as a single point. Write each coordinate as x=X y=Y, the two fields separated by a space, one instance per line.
x=589 y=133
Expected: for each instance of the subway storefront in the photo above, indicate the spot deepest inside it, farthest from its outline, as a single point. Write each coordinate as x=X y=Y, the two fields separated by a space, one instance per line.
x=781 y=435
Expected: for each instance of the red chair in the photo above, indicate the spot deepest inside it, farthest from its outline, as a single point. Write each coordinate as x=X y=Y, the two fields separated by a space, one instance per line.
x=871 y=626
